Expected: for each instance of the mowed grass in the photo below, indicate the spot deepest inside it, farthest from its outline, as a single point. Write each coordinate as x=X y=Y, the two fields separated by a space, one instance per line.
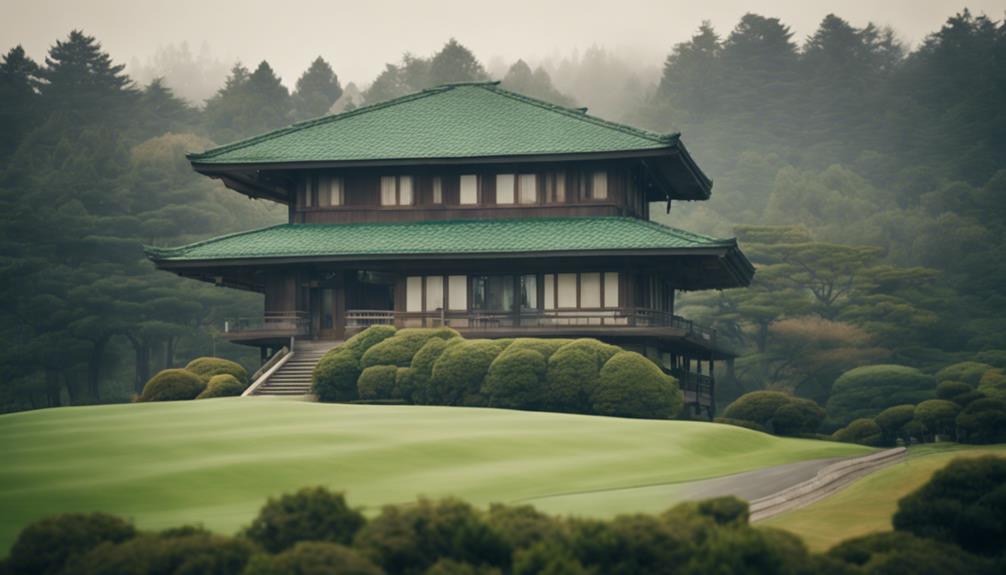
x=867 y=505
x=216 y=461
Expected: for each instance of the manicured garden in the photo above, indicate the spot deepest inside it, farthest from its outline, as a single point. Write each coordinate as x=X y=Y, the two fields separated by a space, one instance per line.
x=215 y=461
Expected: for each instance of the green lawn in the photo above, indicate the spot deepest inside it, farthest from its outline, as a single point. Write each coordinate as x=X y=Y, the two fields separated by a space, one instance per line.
x=867 y=505
x=216 y=461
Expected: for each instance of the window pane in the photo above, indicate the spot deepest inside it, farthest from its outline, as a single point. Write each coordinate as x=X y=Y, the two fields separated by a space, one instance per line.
x=493 y=293
x=308 y=191
x=560 y=187
x=567 y=290
x=549 y=287
x=388 y=190
x=529 y=291
x=324 y=191
x=434 y=293
x=438 y=190
x=600 y=186
x=528 y=189
x=504 y=188
x=590 y=290
x=469 y=189
x=405 y=190
x=611 y=289
x=457 y=293
x=414 y=293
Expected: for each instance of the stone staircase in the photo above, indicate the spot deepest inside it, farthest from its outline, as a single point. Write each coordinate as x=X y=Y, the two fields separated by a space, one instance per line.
x=294 y=376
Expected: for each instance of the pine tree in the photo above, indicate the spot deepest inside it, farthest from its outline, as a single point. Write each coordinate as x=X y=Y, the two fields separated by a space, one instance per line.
x=455 y=63
x=80 y=79
x=19 y=94
x=317 y=89
x=248 y=104
x=160 y=111
x=536 y=84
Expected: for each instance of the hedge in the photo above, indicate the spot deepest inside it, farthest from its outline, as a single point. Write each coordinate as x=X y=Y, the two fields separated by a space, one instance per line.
x=400 y=348
x=459 y=372
x=223 y=385
x=207 y=367
x=334 y=378
x=862 y=431
x=172 y=385
x=572 y=375
x=516 y=379
x=629 y=385
x=312 y=558
x=366 y=339
x=376 y=382
x=866 y=391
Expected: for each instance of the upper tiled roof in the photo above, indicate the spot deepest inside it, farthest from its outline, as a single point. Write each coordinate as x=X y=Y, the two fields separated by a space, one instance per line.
x=453 y=121
x=533 y=235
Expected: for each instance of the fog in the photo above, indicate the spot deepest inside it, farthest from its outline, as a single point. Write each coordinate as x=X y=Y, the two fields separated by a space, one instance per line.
x=358 y=38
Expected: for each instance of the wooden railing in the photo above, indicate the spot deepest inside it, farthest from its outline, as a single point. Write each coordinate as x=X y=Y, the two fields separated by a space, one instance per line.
x=285 y=324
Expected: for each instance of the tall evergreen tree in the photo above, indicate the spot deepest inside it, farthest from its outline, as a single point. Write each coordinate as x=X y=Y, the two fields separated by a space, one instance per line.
x=455 y=63
x=691 y=82
x=537 y=84
x=317 y=89
x=160 y=111
x=19 y=94
x=79 y=78
x=248 y=104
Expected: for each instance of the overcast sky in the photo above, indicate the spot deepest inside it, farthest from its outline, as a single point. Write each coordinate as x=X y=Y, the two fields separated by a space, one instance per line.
x=359 y=36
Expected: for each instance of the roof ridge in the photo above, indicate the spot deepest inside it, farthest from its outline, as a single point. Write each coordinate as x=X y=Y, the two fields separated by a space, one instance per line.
x=182 y=249
x=581 y=114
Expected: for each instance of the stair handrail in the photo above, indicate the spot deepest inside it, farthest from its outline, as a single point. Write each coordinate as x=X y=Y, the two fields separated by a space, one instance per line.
x=268 y=368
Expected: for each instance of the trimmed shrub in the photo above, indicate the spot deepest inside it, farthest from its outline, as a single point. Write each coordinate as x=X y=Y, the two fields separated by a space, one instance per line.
x=983 y=421
x=964 y=503
x=422 y=365
x=893 y=423
x=410 y=539
x=629 y=385
x=334 y=378
x=547 y=557
x=937 y=416
x=949 y=390
x=546 y=347
x=970 y=372
x=172 y=385
x=405 y=384
x=993 y=357
x=223 y=385
x=866 y=391
x=862 y=431
x=573 y=371
x=399 y=349
x=757 y=407
x=47 y=545
x=798 y=417
x=459 y=371
x=377 y=382
x=207 y=367
x=196 y=554
x=725 y=510
x=631 y=544
x=516 y=379
x=452 y=567
x=313 y=558
x=993 y=384
x=360 y=343
x=521 y=526
x=310 y=514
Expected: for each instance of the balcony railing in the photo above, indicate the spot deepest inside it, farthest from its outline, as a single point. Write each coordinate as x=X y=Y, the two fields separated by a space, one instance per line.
x=278 y=324
x=485 y=320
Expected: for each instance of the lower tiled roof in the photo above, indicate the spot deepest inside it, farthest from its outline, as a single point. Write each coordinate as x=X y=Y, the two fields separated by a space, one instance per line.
x=513 y=236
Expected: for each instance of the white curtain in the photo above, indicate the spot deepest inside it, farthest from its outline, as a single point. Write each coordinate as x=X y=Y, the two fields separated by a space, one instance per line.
x=611 y=289
x=504 y=188
x=414 y=293
x=388 y=191
x=600 y=187
x=528 y=186
x=469 y=189
x=434 y=293
x=405 y=190
x=590 y=290
x=457 y=293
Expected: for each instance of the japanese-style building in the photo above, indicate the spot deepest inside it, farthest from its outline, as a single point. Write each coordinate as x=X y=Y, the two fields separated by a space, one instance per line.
x=473 y=207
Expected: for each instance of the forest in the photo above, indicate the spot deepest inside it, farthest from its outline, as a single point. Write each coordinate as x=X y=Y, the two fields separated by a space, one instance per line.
x=865 y=179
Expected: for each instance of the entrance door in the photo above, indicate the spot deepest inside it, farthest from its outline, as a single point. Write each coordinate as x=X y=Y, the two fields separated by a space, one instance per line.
x=327 y=313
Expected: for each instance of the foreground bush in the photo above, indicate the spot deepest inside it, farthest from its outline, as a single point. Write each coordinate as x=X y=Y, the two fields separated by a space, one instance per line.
x=983 y=421
x=197 y=553
x=863 y=431
x=516 y=380
x=629 y=385
x=774 y=412
x=207 y=367
x=223 y=385
x=172 y=385
x=377 y=382
x=334 y=377
x=45 y=547
x=311 y=514
x=866 y=391
x=313 y=558
x=964 y=504
x=899 y=552
x=459 y=371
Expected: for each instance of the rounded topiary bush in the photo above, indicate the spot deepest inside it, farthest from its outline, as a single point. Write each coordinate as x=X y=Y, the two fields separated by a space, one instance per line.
x=310 y=514
x=334 y=378
x=400 y=348
x=983 y=421
x=45 y=546
x=459 y=372
x=377 y=382
x=572 y=375
x=516 y=379
x=970 y=372
x=629 y=385
x=313 y=558
x=757 y=407
x=207 y=367
x=546 y=347
x=893 y=422
x=741 y=423
x=798 y=417
x=417 y=381
x=223 y=385
x=172 y=385
x=993 y=384
x=866 y=391
x=937 y=416
x=366 y=339
x=862 y=431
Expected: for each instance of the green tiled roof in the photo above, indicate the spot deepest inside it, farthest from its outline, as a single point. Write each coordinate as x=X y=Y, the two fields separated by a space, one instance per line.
x=516 y=236
x=452 y=121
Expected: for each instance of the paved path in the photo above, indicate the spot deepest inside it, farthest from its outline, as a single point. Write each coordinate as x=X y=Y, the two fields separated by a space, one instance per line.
x=753 y=485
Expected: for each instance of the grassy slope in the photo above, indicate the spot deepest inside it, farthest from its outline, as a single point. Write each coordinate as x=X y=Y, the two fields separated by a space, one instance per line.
x=215 y=461
x=867 y=505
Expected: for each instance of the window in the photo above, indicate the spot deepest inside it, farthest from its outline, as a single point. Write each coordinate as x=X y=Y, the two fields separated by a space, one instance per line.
x=457 y=293
x=396 y=190
x=529 y=291
x=555 y=184
x=527 y=189
x=504 y=188
x=469 y=193
x=307 y=189
x=549 y=288
x=434 y=293
x=438 y=190
x=611 y=289
x=566 y=288
x=590 y=290
x=414 y=293
x=599 y=186
x=493 y=293
x=330 y=191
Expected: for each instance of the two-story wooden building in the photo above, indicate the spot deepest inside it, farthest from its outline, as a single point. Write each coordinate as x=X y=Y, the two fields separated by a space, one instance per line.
x=474 y=207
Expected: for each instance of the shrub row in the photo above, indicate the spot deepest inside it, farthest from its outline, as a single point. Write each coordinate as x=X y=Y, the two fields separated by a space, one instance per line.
x=774 y=412
x=202 y=378
x=953 y=524
x=439 y=367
